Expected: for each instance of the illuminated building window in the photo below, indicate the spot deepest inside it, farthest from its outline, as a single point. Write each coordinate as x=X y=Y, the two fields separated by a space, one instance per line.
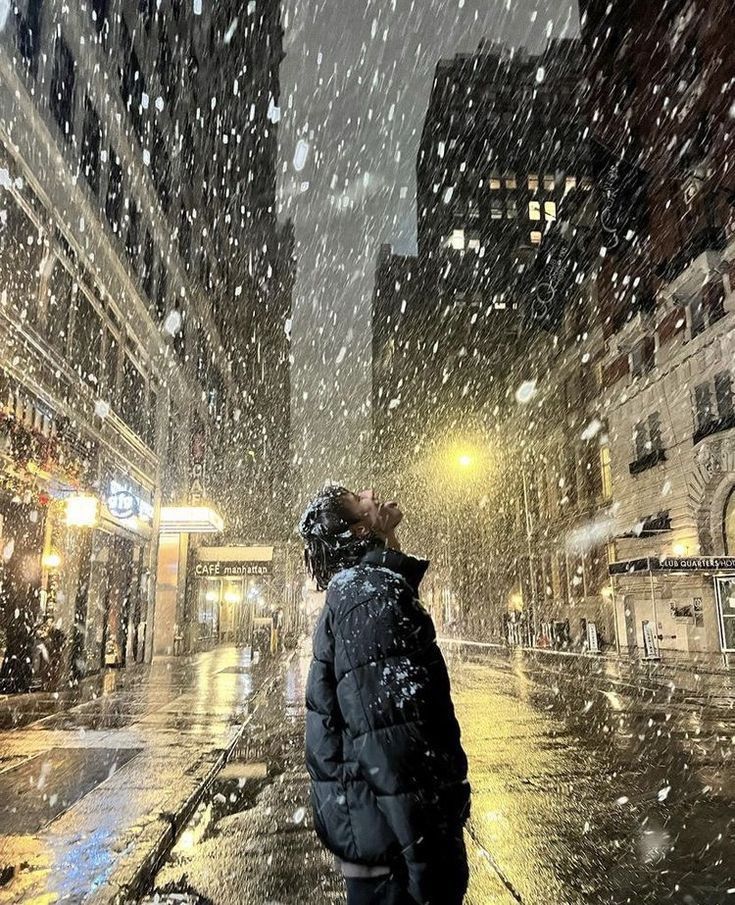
x=533 y=182
x=536 y=237
x=494 y=182
x=534 y=210
x=510 y=181
x=511 y=209
x=473 y=244
x=550 y=210
x=570 y=183
x=549 y=182
x=456 y=240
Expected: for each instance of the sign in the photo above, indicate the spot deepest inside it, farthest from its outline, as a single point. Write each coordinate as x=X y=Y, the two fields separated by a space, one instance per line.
x=126 y=499
x=219 y=568
x=593 y=642
x=123 y=504
x=650 y=645
x=699 y=564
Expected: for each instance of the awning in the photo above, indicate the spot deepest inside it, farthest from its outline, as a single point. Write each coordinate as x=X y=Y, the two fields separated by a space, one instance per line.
x=190 y=520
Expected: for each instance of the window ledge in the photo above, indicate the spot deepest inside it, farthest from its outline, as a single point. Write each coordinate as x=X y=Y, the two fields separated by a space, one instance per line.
x=715 y=426
x=647 y=461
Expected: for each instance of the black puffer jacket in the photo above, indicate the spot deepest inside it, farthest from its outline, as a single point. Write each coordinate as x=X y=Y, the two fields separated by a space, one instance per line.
x=388 y=773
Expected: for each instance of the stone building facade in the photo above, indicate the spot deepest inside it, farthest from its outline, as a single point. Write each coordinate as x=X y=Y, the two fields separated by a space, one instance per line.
x=121 y=376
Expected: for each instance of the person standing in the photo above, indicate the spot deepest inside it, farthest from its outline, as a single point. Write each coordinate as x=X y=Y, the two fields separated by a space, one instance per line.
x=389 y=787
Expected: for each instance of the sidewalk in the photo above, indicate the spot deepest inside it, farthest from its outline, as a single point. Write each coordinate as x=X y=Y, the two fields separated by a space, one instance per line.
x=90 y=797
x=693 y=680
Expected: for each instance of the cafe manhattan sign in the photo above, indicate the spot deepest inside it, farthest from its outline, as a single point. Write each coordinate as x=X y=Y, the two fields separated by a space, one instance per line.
x=224 y=569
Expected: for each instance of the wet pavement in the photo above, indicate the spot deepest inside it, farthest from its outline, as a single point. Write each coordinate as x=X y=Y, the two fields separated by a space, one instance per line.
x=89 y=794
x=585 y=789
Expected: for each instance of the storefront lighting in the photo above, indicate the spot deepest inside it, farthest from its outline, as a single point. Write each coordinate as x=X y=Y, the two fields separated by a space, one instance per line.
x=680 y=549
x=51 y=560
x=81 y=511
x=212 y=596
x=190 y=520
x=232 y=597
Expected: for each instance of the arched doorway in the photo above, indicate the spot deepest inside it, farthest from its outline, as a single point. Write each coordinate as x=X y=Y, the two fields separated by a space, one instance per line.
x=729 y=523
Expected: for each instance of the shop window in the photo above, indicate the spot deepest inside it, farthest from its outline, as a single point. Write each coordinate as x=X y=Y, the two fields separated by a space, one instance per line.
x=62 y=88
x=534 y=210
x=91 y=141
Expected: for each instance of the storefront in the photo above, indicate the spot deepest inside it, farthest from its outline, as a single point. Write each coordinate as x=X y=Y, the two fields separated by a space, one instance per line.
x=119 y=578
x=42 y=463
x=236 y=592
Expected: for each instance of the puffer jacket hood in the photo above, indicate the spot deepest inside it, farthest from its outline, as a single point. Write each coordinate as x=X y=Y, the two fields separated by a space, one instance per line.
x=388 y=773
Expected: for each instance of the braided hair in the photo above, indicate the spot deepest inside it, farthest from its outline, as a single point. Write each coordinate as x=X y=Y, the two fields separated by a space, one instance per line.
x=329 y=542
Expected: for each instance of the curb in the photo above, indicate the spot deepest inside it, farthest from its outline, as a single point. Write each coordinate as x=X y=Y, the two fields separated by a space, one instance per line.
x=132 y=881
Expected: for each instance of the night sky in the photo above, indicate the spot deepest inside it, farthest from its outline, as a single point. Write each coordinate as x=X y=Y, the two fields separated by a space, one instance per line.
x=354 y=88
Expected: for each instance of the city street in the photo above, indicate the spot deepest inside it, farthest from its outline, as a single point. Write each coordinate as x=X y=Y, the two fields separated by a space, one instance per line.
x=88 y=795
x=583 y=791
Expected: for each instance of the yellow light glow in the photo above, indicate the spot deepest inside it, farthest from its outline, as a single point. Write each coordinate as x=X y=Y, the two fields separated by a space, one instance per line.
x=680 y=549
x=190 y=520
x=51 y=560
x=81 y=511
x=516 y=601
x=232 y=597
x=212 y=596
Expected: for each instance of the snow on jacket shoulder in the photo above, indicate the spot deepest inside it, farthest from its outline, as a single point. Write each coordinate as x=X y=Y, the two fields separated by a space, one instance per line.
x=388 y=773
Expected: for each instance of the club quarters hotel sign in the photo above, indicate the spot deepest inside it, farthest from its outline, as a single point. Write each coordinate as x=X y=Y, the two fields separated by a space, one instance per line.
x=233 y=562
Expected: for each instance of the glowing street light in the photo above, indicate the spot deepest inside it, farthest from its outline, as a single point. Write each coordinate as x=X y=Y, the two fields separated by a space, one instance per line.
x=81 y=511
x=464 y=460
x=51 y=560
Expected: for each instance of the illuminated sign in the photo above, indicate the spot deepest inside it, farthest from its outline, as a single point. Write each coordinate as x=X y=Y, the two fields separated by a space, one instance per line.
x=122 y=504
x=228 y=569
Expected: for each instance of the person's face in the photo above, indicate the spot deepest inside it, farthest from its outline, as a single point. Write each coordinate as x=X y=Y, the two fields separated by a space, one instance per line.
x=371 y=515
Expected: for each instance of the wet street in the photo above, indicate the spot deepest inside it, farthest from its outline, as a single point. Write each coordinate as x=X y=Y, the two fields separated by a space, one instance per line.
x=89 y=795
x=584 y=790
